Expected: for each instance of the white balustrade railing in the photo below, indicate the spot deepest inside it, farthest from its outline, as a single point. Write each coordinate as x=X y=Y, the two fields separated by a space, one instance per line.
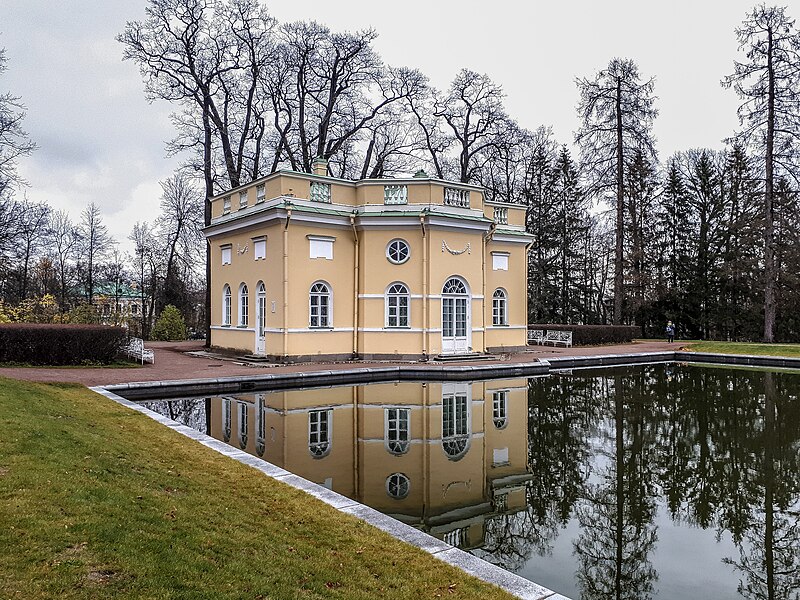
x=456 y=197
x=501 y=215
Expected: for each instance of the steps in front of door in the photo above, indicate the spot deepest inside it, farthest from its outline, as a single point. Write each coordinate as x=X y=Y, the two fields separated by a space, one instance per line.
x=470 y=356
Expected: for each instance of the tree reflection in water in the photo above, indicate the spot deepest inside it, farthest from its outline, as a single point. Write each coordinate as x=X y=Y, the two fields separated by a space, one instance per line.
x=717 y=449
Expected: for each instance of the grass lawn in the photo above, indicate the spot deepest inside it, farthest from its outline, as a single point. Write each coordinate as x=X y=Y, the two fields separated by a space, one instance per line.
x=742 y=348
x=97 y=501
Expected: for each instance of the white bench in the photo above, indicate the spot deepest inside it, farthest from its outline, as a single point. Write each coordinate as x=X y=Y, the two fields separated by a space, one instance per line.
x=135 y=349
x=558 y=337
x=535 y=336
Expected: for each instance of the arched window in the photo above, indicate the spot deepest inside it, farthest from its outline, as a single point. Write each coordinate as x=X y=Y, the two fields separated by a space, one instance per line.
x=499 y=307
x=500 y=409
x=261 y=425
x=397 y=301
x=454 y=286
x=261 y=308
x=319 y=432
x=455 y=424
x=226 y=304
x=226 y=419
x=397 y=486
x=243 y=305
x=320 y=306
x=242 y=425
x=396 y=430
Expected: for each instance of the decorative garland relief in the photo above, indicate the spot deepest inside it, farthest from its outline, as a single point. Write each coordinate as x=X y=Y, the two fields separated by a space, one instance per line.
x=467 y=249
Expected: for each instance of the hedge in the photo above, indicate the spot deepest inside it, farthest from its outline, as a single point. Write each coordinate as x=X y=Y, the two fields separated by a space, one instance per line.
x=56 y=344
x=590 y=335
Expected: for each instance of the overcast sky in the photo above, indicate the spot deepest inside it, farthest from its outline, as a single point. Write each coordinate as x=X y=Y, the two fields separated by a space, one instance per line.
x=98 y=138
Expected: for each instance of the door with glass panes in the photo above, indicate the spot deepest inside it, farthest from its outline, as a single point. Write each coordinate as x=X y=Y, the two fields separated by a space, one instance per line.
x=455 y=317
x=261 y=319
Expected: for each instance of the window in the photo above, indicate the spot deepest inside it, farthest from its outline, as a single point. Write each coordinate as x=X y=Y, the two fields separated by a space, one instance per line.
x=499 y=307
x=226 y=254
x=261 y=193
x=243 y=305
x=319 y=440
x=226 y=305
x=397 y=300
x=261 y=308
x=135 y=309
x=396 y=432
x=500 y=409
x=397 y=251
x=455 y=424
x=242 y=425
x=320 y=305
x=261 y=424
x=500 y=261
x=397 y=485
x=226 y=205
x=259 y=248
x=320 y=247
x=226 y=419
x=320 y=192
x=242 y=199
x=395 y=194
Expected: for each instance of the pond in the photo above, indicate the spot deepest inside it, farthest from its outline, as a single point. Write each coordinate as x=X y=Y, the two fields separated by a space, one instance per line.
x=649 y=481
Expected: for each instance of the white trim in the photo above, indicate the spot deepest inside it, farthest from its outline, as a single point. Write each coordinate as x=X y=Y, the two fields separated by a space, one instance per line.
x=505 y=327
x=381 y=296
x=233 y=328
x=391 y=329
x=513 y=239
x=439 y=296
x=321 y=238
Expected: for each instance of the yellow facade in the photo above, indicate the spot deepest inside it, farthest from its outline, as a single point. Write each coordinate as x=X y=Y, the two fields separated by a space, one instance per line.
x=458 y=456
x=390 y=268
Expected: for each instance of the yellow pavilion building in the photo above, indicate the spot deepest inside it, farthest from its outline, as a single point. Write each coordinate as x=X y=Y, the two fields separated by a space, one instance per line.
x=307 y=266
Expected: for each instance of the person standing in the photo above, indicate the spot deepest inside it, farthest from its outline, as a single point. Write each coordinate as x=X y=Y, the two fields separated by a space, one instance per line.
x=670 y=332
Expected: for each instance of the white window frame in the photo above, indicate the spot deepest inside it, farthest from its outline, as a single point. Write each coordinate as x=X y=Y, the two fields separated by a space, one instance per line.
x=312 y=314
x=226 y=251
x=260 y=241
x=500 y=261
x=244 y=305
x=320 y=246
x=398 y=485
x=397 y=246
x=319 y=432
x=456 y=421
x=261 y=424
x=393 y=307
x=226 y=204
x=227 y=299
x=397 y=429
x=500 y=408
x=226 y=419
x=242 y=425
x=261 y=193
x=500 y=308
x=243 y=199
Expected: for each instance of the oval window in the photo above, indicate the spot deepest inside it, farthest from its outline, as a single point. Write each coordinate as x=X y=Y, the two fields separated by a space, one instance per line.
x=397 y=251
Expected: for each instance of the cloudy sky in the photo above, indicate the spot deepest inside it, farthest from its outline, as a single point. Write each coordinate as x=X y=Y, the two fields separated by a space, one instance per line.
x=99 y=139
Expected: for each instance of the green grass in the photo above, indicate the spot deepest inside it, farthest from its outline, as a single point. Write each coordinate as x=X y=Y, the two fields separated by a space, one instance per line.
x=98 y=501
x=742 y=348
x=119 y=363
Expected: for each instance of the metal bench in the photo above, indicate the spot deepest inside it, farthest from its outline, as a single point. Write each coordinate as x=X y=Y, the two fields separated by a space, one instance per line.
x=135 y=349
x=558 y=337
x=535 y=336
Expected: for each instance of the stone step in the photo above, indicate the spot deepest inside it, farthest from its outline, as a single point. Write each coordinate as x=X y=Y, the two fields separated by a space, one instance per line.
x=470 y=356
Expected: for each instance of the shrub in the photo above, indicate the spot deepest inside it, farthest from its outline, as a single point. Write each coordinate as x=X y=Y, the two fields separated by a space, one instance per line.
x=45 y=344
x=170 y=325
x=589 y=335
x=84 y=314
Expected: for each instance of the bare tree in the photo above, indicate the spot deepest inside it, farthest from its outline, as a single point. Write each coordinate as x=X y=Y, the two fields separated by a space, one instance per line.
x=63 y=241
x=95 y=243
x=179 y=227
x=769 y=86
x=32 y=231
x=616 y=110
x=14 y=142
x=146 y=265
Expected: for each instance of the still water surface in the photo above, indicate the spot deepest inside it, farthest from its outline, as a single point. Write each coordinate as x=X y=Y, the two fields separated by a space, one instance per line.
x=655 y=481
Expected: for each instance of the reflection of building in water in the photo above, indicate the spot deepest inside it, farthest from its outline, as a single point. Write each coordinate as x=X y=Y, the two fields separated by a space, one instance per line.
x=441 y=456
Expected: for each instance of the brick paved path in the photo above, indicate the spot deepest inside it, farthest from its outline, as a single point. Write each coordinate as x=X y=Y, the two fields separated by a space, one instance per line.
x=172 y=363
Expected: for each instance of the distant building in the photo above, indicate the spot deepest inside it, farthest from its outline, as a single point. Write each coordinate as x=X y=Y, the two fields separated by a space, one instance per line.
x=117 y=300
x=310 y=266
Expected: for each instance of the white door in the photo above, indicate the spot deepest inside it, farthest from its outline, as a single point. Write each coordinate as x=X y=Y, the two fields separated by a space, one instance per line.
x=455 y=317
x=261 y=318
